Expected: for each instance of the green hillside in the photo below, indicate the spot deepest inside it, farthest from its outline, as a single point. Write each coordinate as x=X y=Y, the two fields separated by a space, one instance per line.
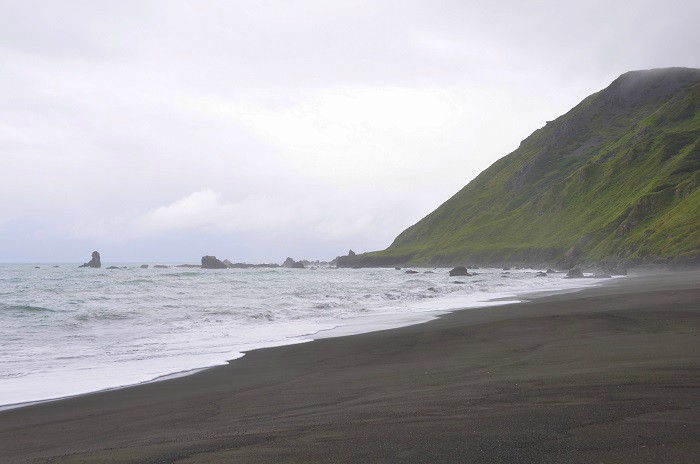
x=615 y=177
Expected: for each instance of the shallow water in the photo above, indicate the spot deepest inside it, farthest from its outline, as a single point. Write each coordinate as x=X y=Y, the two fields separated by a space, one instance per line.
x=68 y=330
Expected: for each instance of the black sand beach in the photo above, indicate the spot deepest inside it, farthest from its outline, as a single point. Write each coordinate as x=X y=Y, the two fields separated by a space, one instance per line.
x=607 y=374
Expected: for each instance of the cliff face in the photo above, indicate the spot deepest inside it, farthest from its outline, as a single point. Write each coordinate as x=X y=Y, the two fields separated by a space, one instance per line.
x=615 y=178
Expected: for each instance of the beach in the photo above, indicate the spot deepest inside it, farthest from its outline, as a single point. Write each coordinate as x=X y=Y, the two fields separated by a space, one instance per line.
x=605 y=374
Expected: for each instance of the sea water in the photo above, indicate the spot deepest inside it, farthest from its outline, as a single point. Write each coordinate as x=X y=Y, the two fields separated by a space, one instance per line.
x=66 y=330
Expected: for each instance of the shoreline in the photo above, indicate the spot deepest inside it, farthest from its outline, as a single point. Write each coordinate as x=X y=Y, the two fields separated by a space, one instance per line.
x=358 y=325
x=413 y=382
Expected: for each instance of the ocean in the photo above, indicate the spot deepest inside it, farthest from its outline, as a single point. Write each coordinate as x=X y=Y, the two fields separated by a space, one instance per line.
x=66 y=330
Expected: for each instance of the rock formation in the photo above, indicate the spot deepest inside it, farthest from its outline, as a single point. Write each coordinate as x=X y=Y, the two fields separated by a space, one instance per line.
x=212 y=262
x=94 y=262
x=289 y=262
x=459 y=271
x=575 y=273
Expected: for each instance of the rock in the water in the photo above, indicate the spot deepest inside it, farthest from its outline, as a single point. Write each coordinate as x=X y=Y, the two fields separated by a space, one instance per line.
x=432 y=289
x=542 y=274
x=458 y=282
x=428 y=272
x=459 y=271
x=161 y=266
x=551 y=271
x=411 y=271
x=112 y=267
x=144 y=266
x=212 y=262
x=289 y=262
x=94 y=262
x=506 y=268
x=602 y=276
x=397 y=268
x=575 y=273
x=37 y=267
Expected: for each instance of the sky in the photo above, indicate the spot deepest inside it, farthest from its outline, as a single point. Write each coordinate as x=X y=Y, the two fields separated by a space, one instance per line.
x=161 y=131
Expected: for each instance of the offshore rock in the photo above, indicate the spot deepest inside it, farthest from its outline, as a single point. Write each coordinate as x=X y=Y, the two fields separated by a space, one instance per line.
x=94 y=262
x=289 y=262
x=459 y=271
x=212 y=262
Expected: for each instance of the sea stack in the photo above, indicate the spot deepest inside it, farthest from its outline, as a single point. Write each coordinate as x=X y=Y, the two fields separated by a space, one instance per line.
x=212 y=262
x=94 y=262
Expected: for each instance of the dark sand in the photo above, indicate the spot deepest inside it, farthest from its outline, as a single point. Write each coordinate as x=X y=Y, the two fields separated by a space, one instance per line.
x=610 y=374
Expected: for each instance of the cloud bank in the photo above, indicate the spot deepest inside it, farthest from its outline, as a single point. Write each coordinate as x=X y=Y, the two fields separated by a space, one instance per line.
x=165 y=130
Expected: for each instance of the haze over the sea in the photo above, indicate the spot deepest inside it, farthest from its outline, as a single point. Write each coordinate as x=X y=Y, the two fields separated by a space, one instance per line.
x=162 y=131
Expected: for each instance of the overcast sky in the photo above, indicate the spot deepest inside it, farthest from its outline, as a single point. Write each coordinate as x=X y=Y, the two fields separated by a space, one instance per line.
x=256 y=130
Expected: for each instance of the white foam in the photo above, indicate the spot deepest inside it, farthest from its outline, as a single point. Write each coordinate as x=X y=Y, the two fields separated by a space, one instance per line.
x=88 y=332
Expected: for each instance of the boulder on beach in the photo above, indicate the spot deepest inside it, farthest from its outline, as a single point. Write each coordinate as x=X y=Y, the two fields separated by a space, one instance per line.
x=575 y=273
x=94 y=262
x=459 y=271
x=212 y=262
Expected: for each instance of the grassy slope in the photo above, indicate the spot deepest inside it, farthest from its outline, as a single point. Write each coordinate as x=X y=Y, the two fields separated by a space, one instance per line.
x=617 y=176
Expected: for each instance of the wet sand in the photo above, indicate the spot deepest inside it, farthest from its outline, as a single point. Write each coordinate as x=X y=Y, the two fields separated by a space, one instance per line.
x=607 y=374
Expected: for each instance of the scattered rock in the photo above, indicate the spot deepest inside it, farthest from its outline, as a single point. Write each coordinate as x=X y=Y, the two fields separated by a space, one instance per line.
x=94 y=262
x=411 y=271
x=459 y=271
x=212 y=262
x=575 y=273
x=144 y=266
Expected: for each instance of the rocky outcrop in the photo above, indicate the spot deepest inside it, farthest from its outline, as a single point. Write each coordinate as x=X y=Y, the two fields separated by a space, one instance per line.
x=290 y=263
x=212 y=262
x=575 y=273
x=231 y=265
x=94 y=262
x=459 y=271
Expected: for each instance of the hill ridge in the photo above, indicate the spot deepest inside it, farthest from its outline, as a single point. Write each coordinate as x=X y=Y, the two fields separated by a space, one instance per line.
x=614 y=178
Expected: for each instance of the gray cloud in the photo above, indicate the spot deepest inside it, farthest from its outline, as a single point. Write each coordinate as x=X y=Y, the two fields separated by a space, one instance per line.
x=165 y=130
